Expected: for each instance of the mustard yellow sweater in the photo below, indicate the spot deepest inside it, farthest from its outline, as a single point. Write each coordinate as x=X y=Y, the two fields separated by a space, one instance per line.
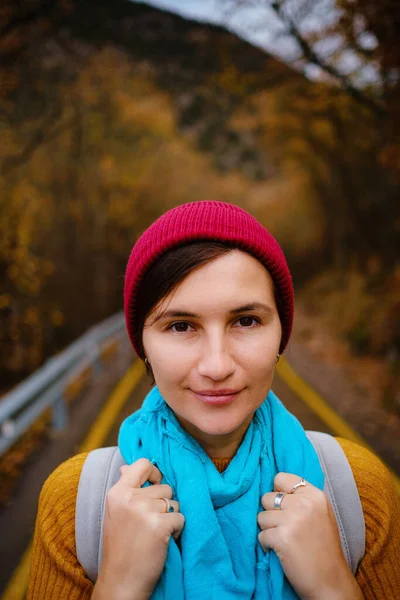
x=57 y=574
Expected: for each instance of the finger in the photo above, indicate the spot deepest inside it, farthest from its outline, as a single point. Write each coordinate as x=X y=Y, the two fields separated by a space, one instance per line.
x=163 y=506
x=176 y=522
x=158 y=491
x=268 y=501
x=268 y=538
x=284 y=482
x=270 y=518
x=139 y=472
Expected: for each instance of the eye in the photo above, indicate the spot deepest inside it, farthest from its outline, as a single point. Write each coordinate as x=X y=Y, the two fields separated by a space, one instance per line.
x=247 y=322
x=180 y=327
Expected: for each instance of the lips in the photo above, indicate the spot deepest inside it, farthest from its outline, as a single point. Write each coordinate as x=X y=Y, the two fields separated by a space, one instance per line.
x=217 y=397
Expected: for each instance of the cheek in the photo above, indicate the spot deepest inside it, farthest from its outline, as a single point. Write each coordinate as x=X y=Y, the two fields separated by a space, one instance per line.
x=259 y=351
x=169 y=363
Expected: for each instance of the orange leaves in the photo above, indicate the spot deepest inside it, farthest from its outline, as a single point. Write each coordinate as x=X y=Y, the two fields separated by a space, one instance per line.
x=56 y=317
x=5 y=301
x=107 y=165
x=231 y=81
x=31 y=316
x=389 y=157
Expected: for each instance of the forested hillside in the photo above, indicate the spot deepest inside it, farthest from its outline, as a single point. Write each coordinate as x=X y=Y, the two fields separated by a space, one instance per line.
x=111 y=112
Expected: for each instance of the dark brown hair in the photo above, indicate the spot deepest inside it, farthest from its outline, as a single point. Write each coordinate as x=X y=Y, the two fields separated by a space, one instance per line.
x=168 y=272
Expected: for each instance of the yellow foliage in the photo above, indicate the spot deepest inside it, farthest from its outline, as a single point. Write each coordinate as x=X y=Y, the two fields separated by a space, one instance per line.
x=150 y=112
x=31 y=316
x=5 y=301
x=57 y=318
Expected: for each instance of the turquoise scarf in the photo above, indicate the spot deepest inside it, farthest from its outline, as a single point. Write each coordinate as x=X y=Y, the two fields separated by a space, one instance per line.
x=220 y=556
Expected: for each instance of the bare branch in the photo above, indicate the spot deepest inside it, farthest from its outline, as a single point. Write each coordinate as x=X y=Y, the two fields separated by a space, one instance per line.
x=41 y=135
x=312 y=57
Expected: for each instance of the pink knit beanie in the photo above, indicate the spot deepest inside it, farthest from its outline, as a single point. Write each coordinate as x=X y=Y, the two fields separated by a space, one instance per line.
x=208 y=220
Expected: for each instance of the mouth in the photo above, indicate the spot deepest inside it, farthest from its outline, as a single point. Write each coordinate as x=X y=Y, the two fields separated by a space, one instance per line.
x=217 y=397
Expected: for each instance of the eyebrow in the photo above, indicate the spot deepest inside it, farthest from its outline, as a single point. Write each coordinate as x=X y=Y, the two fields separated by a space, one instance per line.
x=168 y=314
x=253 y=306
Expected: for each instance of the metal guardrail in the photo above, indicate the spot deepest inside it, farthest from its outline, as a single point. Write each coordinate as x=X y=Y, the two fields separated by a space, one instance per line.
x=45 y=388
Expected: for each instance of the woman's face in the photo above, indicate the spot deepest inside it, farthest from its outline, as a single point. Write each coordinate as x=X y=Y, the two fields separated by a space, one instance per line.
x=213 y=350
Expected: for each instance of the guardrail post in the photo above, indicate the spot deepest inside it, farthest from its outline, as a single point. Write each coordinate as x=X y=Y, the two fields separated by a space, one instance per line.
x=60 y=414
x=7 y=428
x=124 y=343
x=94 y=355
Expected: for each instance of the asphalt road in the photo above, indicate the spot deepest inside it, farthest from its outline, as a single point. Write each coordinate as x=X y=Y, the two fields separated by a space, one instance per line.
x=17 y=519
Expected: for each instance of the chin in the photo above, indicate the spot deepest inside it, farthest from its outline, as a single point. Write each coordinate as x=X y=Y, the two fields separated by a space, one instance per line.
x=217 y=426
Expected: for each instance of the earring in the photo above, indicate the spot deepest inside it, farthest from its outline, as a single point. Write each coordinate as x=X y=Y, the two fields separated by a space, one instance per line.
x=146 y=362
x=277 y=357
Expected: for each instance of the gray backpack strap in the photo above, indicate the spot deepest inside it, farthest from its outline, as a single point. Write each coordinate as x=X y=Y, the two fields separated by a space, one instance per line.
x=99 y=473
x=341 y=489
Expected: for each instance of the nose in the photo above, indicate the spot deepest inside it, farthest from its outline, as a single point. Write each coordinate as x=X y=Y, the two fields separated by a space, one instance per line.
x=215 y=360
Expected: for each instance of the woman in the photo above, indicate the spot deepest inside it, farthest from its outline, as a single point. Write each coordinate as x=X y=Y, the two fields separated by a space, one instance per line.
x=221 y=496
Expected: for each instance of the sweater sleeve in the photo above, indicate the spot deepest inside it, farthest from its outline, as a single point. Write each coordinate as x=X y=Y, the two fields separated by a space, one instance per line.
x=378 y=574
x=55 y=571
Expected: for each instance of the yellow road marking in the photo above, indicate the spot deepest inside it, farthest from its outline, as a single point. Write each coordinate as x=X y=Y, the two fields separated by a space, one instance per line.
x=18 y=584
x=325 y=412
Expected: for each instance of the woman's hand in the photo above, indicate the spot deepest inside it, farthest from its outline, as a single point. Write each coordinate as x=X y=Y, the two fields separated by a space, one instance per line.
x=136 y=533
x=305 y=537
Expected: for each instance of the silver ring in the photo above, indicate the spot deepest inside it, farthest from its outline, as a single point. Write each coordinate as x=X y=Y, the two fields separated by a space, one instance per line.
x=168 y=506
x=278 y=500
x=298 y=484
